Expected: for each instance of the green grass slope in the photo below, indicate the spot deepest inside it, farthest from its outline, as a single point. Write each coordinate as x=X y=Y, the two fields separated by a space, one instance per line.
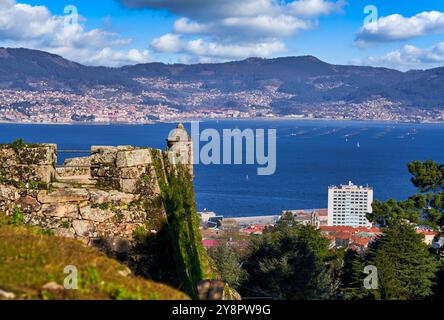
x=29 y=259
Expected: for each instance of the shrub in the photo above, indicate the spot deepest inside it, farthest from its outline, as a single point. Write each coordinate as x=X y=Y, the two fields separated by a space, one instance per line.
x=17 y=217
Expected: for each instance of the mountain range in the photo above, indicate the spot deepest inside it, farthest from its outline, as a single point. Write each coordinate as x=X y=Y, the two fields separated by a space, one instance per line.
x=294 y=83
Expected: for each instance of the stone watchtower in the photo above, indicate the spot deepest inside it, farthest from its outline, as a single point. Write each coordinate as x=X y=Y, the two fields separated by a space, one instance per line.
x=180 y=147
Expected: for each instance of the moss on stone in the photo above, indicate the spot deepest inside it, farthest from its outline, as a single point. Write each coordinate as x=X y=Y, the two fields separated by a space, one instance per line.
x=177 y=193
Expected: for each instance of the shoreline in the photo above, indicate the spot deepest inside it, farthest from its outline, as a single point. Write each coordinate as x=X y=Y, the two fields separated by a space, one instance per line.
x=187 y=120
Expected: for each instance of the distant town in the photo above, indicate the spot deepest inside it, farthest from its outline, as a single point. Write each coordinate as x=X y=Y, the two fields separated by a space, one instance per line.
x=344 y=222
x=106 y=105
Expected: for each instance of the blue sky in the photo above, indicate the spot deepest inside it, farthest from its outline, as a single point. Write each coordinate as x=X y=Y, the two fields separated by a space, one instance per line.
x=404 y=34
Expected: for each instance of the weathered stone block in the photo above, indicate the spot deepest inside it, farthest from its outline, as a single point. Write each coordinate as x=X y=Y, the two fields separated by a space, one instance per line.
x=75 y=167
x=133 y=216
x=38 y=155
x=44 y=173
x=42 y=221
x=133 y=158
x=129 y=185
x=8 y=157
x=116 y=196
x=8 y=192
x=84 y=228
x=30 y=173
x=105 y=171
x=99 y=196
x=62 y=210
x=65 y=232
x=96 y=214
x=132 y=172
x=28 y=204
x=63 y=195
x=113 y=196
x=125 y=148
x=103 y=154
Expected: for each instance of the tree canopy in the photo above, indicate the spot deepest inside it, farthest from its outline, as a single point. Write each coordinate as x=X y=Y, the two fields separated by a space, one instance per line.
x=290 y=261
x=405 y=267
x=425 y=208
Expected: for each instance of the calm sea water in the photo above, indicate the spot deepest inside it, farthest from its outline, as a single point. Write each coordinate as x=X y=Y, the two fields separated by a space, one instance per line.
x=311 y=155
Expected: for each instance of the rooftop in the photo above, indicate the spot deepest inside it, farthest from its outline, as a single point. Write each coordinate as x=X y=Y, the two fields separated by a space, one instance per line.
x=350 y=186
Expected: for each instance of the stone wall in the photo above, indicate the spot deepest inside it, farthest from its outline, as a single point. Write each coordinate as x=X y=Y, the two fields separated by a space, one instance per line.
x=100 y=199
x=28 y=164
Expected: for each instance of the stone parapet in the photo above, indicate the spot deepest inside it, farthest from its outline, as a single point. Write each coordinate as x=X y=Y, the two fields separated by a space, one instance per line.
x=27 y=164
x=112 y=193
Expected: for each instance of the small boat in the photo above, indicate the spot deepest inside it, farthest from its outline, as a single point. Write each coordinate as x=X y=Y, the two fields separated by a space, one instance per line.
x=358 y=145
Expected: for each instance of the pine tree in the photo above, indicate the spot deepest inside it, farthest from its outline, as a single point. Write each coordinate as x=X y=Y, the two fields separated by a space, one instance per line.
x=289 y=262
x=405 y=267
x=425 y=208
x=228 y=264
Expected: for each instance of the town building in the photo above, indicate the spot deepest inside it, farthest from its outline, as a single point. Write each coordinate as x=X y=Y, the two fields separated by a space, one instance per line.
x=357 y=238
x=206 y=215
x=429 y=235
x=313 y=217
x=349 y=204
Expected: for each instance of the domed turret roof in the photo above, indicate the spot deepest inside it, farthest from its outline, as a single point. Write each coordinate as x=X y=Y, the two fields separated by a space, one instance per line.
x=178 y=134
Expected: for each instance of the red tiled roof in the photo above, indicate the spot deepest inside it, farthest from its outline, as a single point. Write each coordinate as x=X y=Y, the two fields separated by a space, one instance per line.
x=349 y=229
x=210 y=243
x=254 y=229
x=357 y=236
x=361 y=241
x=426 y=232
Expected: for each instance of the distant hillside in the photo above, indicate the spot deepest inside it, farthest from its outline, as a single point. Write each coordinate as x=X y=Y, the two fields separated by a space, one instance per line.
x=299 y=81
x=21 y=67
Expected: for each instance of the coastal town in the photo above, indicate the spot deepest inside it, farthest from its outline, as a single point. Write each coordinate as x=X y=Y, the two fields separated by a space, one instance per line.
x=160 y=103
x=344 y=222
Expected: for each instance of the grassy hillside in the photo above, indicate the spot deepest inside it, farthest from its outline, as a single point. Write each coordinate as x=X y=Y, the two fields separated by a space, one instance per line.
x=30 y=258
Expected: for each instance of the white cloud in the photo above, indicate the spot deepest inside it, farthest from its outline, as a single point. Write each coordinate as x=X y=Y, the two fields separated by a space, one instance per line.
x=397 y=27
x=316 y=7
x=184 y=25
x=167 y=43
x=266 y=26
x=245 y=28
x=109 y=56
x=409 y=57
x=207 y=51
x=236 y=28
x=36 y=28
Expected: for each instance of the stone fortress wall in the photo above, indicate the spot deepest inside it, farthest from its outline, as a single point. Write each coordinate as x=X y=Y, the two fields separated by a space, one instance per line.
x=103 y=198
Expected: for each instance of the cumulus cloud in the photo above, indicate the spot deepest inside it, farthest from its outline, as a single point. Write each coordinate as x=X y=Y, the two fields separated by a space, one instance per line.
x=35 y=27
x=184 y=25
x=238 y=29
x=208 y=51
x=169 y=42
x=409 y=57
x=316 y=7
x=397 y=27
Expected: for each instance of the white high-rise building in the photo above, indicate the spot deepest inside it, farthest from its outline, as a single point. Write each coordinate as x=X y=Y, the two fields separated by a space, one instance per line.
x=349 y=204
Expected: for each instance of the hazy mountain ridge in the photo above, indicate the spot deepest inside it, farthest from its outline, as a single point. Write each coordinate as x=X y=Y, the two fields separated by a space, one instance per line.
x=289 y=85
